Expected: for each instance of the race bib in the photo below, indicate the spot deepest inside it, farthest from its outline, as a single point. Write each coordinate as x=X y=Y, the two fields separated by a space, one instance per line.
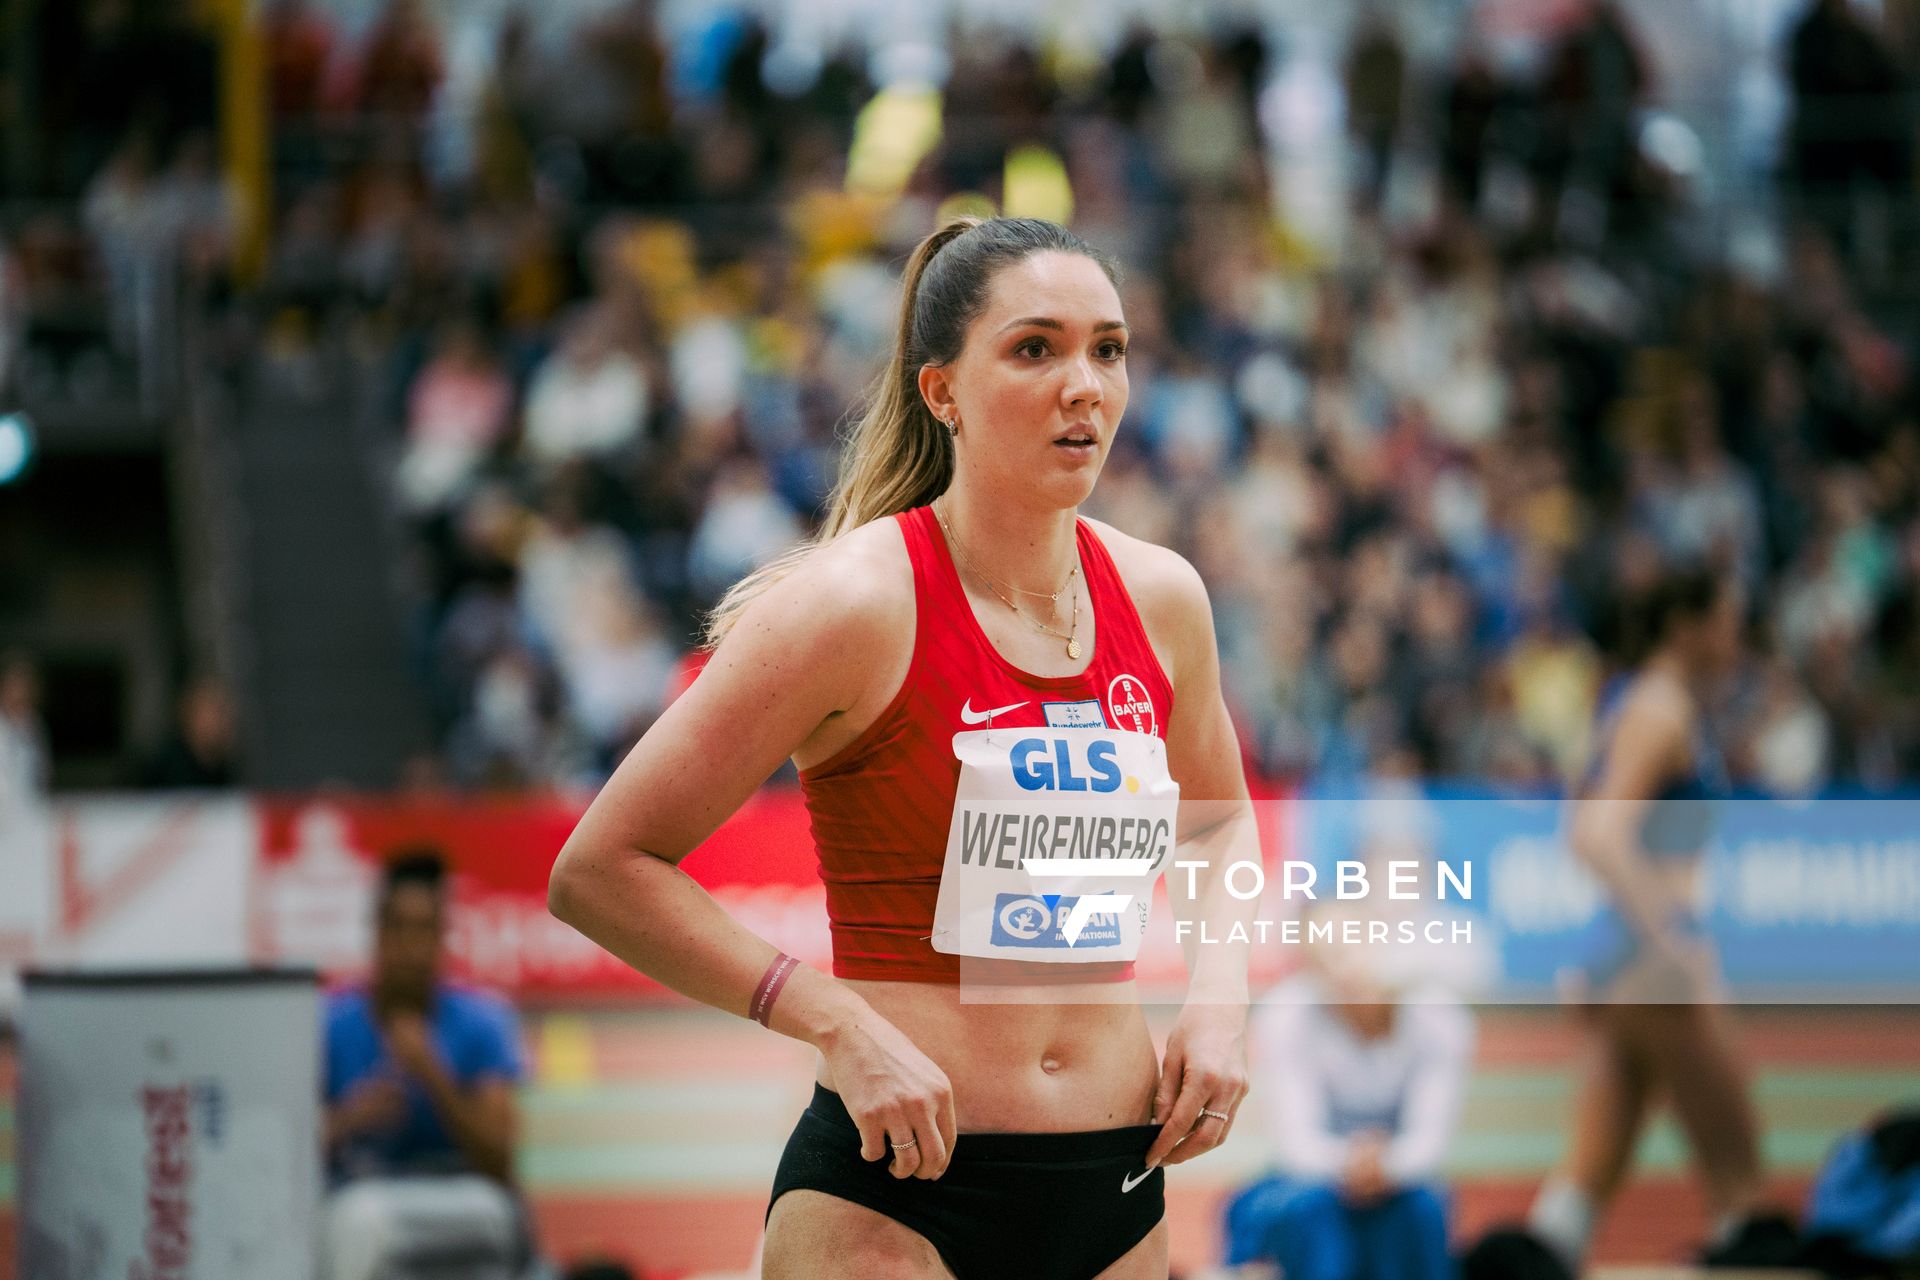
x=1058 y=835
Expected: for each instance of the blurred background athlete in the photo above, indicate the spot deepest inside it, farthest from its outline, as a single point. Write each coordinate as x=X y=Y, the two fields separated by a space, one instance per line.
x=1642 y=825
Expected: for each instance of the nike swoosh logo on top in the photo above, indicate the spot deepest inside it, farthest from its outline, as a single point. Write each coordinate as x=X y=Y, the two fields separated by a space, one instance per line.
x=1128 y=1184
x=969 y=716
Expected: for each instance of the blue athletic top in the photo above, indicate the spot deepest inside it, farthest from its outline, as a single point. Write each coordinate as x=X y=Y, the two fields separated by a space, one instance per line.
x=1680 y=820
x=478 y=1038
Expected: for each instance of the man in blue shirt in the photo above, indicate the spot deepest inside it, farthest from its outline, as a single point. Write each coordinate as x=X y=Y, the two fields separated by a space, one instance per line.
x=421 y=1120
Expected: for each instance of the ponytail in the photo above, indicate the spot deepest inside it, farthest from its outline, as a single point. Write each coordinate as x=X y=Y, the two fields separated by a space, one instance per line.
x=898 y=456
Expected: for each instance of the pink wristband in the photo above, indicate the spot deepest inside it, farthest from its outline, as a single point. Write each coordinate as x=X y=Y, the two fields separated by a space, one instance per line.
x=769 y=989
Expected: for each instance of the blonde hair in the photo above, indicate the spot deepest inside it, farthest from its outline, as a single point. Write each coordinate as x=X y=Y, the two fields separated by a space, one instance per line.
x=898 y=455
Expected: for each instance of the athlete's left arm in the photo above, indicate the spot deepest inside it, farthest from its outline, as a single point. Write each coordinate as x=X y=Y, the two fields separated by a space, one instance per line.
x=1206 y=1059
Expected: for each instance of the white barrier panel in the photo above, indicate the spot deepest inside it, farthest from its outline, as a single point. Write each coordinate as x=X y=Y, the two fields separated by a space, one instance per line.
x=169 y=1125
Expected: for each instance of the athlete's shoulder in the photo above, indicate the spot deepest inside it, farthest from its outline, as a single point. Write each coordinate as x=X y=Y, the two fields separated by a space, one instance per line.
x=1170 y=598
x=1157 y=577
x=871 y=557
x=1650 y=734
x=1657 y=704
x=858 y=584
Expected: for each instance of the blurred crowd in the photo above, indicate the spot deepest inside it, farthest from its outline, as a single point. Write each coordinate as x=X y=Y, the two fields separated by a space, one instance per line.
x=622 y=293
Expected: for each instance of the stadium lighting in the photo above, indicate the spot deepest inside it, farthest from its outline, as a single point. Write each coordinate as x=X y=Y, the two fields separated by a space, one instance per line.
x=16 y=446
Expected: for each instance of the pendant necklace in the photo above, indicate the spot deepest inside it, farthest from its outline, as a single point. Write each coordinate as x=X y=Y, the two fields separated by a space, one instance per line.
x=1071 y=635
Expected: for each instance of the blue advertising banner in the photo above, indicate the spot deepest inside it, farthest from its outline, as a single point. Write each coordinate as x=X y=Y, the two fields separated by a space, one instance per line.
x=1801 y=899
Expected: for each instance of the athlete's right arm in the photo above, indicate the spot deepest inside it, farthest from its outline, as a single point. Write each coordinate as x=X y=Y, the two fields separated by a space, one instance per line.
x=799 y=657
x=792 y=661
x=1649 y=743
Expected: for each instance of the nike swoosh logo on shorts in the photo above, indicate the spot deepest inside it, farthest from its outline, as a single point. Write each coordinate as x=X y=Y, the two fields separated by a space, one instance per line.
x=969 y=716
x=1128 y=1184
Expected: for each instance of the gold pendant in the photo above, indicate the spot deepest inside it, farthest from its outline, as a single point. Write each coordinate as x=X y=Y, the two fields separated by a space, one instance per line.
x=1073 y=647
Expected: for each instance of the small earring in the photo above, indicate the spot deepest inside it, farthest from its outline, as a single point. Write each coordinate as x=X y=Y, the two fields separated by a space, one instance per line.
x=953 y=425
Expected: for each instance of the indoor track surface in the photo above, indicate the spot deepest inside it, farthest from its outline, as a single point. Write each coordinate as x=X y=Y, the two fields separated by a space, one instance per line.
x=651 y=1135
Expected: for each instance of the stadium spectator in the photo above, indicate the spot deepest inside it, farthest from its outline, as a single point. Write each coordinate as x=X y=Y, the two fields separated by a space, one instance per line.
x=1863 y=1212
x=1376 y=83
x=590 y=399
x=129 y=224
x=1852 y=128
x=1595 y=80
x=1469 y=105
x=12 y=311
x=421 y=1119
x=299 y=43
x=1474 y=397
x=1462 y=403
x=744 y=525
x=1790 y=736
x=28 y=889
x=201 y=750
x=200 y=209
x=26 y=767
x=457 y=413
x=1363 y=1086
x=399 y=65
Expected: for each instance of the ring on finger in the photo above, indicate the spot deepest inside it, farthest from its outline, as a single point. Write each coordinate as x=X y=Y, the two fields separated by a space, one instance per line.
x=1221 y=1116
x=902 y=1146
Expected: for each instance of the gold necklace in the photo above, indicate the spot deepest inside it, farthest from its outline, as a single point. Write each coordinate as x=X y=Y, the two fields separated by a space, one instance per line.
x=1052 y=597
x=1071 y=635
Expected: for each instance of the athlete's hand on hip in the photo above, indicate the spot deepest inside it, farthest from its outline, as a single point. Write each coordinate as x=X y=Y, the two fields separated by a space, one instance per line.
x=899 y=1098
x=1205 y=1069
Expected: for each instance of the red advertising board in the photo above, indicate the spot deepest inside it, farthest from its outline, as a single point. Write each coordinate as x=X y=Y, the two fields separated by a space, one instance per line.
x=320 y=855
x=234 y=879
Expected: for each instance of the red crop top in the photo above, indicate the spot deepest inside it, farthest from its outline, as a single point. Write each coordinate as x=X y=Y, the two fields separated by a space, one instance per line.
x=881 y=807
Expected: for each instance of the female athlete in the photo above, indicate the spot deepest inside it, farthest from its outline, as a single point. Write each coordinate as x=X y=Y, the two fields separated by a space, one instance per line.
x=968 y=677
x=1642 y=825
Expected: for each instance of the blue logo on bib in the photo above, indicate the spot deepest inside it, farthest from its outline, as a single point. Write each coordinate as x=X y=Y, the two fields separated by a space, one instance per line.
x=1029 y=920
x=1047 y=764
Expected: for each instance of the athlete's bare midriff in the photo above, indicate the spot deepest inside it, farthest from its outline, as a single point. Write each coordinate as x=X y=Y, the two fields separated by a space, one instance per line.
x=1029 y=1067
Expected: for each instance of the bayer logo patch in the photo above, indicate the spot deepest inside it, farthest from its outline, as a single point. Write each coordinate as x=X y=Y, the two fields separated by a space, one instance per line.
x=1024 y=920
x=1130 y=706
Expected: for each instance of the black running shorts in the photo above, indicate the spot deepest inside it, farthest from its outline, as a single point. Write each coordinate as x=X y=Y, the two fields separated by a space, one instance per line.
x=1042 y=1206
